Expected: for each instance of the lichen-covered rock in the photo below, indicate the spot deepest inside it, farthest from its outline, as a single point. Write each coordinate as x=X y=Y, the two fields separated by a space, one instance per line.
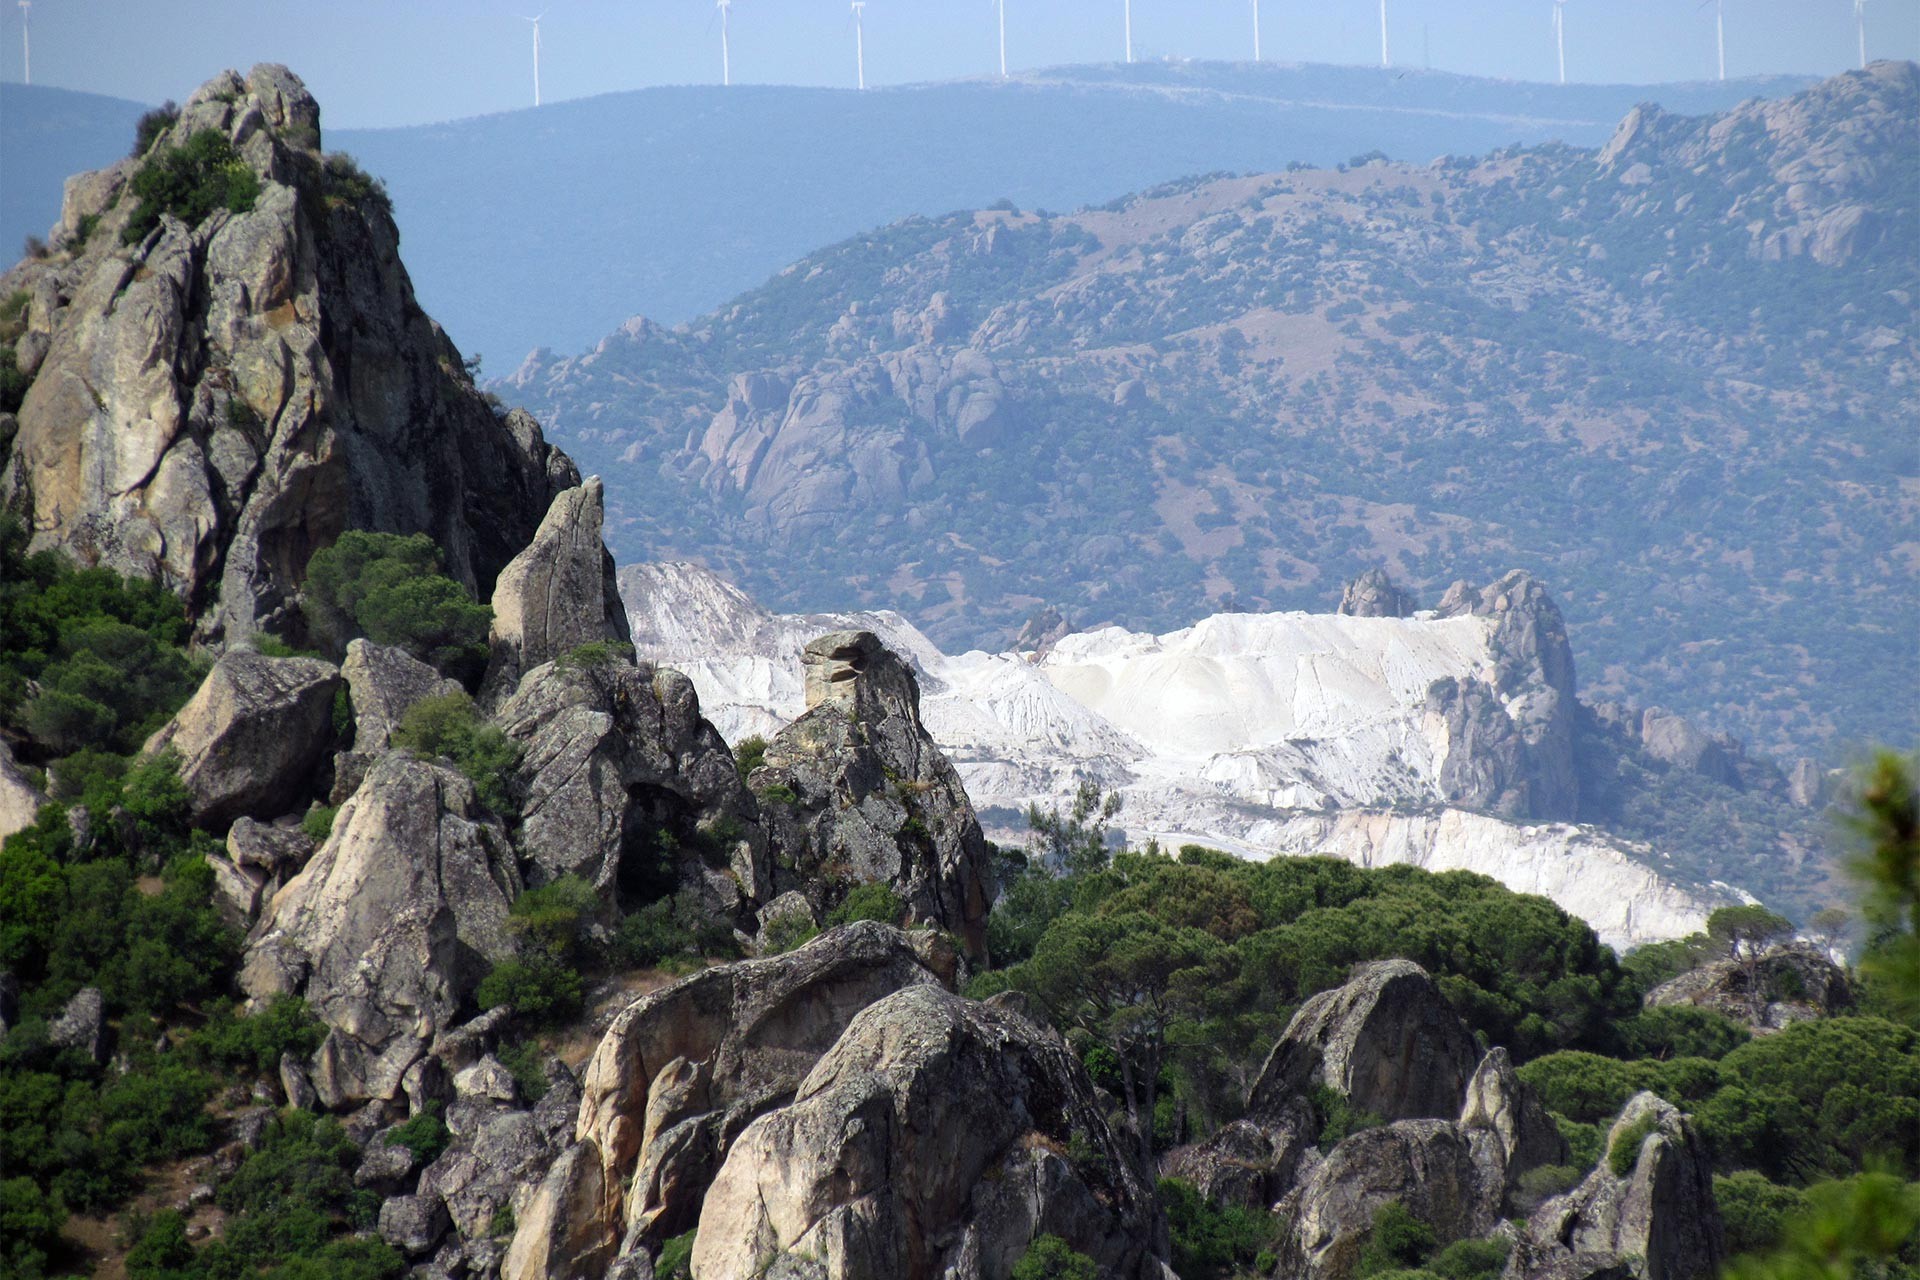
x=20 y=800
x=1448 y=1176
x=564 y=1231
x=497 y=1159
x=859 y=793
x=1386 y=1040
x=217 y=402
x=1784 y=985
x=937 y=1138
x=82 y=1024
x=1374 y=595
x=558 y=593
x=384 y=682
x=413 y=1224
x=1252 y=1162
x=616 y=757
x=251 y=737
x=1661 y=1220
x=391 y=924
x=682 y=1071
x=1499 y=1101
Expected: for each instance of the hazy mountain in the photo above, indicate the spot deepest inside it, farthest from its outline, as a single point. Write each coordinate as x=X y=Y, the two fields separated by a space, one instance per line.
x=550 y=227
x=1668 y=376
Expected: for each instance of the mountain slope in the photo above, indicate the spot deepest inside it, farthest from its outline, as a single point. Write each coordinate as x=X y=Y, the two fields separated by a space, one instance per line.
x=1668 y=376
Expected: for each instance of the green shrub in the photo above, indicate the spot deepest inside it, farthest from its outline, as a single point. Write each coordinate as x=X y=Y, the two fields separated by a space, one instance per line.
x=501 y=1226
x=254 y=1043
x=190 y=181
x=426 y=1135
x=539 y=989
x=676 y=1259
x=13 y=382
x=29 y=1228
x=1754 y=1210
x=347 y=183
x=390 y=590
x=151 y=125
x=786 y=932
x=870 y=901
x=1212 y=1242
x=1051 y=1258
x=1338 y=1117
x=1396 y=1241
x=1537 y=1186
x=1471 y=1260
x=749 y=755
x=526 y=1062
x=449 y=726
x=597 y=653
x=1624 y=1152
x=779 y=793
x=554 y=917
x=318 y=824
x=1680 y=1031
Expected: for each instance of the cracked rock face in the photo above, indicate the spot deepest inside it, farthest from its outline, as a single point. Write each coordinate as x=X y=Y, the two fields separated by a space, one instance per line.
x=558 y=593
x=937 y=1138
x=213 y=404
x=856 y=791
x=391 y=924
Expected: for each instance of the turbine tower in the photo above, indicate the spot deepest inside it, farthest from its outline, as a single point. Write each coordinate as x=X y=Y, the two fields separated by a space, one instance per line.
x=1385 y=61
x=1720 y=33
x=860 y=43
x=1129 y=12
x=1859 y=22
x=726 y=51
x=1003 y=37
x=26 y=42
x=536 y=56
x=1256 y=30
x=1560 y=35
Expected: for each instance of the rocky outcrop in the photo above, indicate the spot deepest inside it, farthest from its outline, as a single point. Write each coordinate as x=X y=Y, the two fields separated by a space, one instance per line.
x=1506 y=1106
x=1374 y=595
x=937 y=1138
x=1443 y=1173
x=1659 y=1220
x=558 y=593
x=251 y=738
x=1251 y=1162
x=1782 y=986
x=858 y=792
x=216 y=402
x=1386 y=1040
x=20 y=800
x=82 y=1025
x=1675 y=741
x=618 y=762
x=384 y=682
x=390 y=925
x=1513 y=738
x=682 y=1072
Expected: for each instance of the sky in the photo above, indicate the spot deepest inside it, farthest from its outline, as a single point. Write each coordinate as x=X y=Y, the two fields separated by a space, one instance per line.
x=396 y=62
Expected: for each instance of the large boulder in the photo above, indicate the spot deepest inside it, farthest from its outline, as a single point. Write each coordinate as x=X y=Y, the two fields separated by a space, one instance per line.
x=681 y=1072
x=384 y=682
x=937 y=1138
x=1782 y=986
x=859 y=793
x=1509 y=1108
x=1374 y=595
x=217 y=402
x=1386 y=1040
x=1659 y=1220
x=617 y=759
x=252 y=737
x=1251 y=1162
x=391 y=925
x=20 y=800
x=558 y=593
x=1446 y=1175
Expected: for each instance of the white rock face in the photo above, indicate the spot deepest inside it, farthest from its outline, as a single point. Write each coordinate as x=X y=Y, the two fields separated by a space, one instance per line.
x=1262 y=734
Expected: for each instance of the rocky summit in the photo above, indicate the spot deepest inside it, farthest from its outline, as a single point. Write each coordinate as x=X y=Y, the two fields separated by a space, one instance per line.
x=390 y=886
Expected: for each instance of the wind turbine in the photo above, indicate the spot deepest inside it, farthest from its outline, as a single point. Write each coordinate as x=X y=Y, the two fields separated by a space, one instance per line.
x=1385 y=61
x=26 y=41
x=1129 y=4
x=1002 y=5
x=1560 y=35
x=536 y=55
x=1720 y=30
x=860 y=42
x=726 y=52
x=1256 y=30
x=1859 y=22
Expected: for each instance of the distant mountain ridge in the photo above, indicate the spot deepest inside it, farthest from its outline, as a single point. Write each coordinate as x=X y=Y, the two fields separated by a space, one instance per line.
x=1666 y=376
x=549 y=228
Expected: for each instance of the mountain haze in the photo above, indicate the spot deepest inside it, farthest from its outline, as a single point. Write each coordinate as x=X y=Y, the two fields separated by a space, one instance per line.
x=1666 y=376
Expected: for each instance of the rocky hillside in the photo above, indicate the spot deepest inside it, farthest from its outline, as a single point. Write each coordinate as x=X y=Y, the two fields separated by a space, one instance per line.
x=1667 y=375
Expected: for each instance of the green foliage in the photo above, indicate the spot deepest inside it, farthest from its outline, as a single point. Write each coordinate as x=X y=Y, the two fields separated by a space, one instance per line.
x=1336 y=1117
x=1591 y=1088
x=390 y=589
x=501 y=1226
x=749 y=754
x=318 y=824
x=1396 y=1241
x=1681 y=1031
x=449 y=726
x=1210 y=1241
x=675 y=928
x=1886 y=862
x=1471 y=1260
x=553 y=918
x=151 y=125
x=785 y=932
x=13 y=382
x=1747 y=930
x=1754 y=1210
x=1538 y=1185
x=1076 y=841
x=597 y=653
x=254 y=1043
x=1624 y=1150
x=538 y=988
x=426 y=1135
x=29 y=1228
x=778 y=793
x=871 y=901
x=526 y=1062
x=1051 y=1258
x=1864 y=1228
x=189 y=182
x=345 y=182
x=676 y=1259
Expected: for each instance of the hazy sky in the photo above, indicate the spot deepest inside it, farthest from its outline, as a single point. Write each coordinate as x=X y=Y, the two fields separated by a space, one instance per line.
x=380 y=62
